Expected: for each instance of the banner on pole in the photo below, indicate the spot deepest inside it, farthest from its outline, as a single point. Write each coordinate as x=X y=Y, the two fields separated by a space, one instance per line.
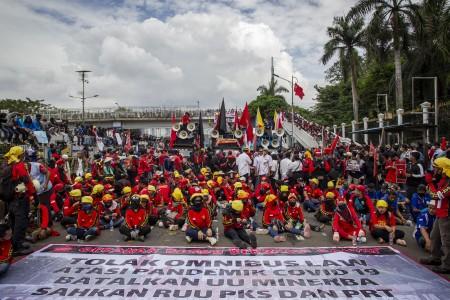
x=116 y=272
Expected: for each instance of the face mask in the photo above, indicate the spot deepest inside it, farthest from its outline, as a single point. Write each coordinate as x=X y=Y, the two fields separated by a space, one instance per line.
x=262 y=191
x=86 y=207
x=108 y=204
x=292 y=204
x=134 y=205
x=197 y=207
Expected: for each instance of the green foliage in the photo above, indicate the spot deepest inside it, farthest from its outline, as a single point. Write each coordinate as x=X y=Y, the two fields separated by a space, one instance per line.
x=27 y=106
x=267 y=105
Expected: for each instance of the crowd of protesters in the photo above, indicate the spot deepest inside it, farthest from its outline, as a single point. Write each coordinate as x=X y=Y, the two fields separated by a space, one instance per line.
x=354 y=190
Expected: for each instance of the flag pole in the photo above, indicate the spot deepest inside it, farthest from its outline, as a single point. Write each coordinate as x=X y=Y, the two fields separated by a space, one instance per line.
x=292 y=112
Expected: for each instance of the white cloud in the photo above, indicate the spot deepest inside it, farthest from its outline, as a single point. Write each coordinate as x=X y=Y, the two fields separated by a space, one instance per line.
x=190 y=50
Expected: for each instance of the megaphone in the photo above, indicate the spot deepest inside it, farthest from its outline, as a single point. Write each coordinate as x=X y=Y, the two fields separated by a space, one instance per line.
x=191 y=127
x=214 y=134
x=183 y=134
x=275 y=143
x=238 y=133
x=259 y=132
x=279 y=132
x=265 y=144
x=176 y=127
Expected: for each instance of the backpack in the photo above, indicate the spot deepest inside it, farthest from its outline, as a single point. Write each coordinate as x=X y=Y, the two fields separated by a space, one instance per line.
x=7 y=185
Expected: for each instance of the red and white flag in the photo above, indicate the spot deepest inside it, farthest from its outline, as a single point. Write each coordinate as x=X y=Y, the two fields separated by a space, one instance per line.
x=298 y=91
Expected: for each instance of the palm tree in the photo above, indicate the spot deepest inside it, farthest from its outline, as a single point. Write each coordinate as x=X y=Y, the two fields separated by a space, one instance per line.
x=396 y=12
x=272 y=90
x=345 y=37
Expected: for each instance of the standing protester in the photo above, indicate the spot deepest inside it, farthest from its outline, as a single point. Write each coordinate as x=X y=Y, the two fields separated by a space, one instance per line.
x=243 y=163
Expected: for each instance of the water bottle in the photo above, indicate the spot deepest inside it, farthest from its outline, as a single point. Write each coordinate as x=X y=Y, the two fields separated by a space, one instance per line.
x=354 y=238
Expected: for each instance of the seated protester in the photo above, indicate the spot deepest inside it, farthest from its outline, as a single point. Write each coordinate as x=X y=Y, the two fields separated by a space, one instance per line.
x=295 y=221
x=283 y=195
x=396 y=202
x=262 y=190
x=233 y=225
x=109 y=212
x=163 y=193
x=273 y=218
x=332 y=189
x=43 y=224
x=86 y=227
x=419 y=201
x=313 y=196
x=97 y=193
x=199 y=222
x=175 y=217
x=57 y=199
x=135 y=226
x=6 y=248
x=209 y=204
x=124 y=199
x=70 y=209
x=425 y=222
x=346 y=224
x=248 y=211
x=372 y=192
x=152 y=211
x=383 y=227
x=362 y=204
x=326 y=210
x=237 y=187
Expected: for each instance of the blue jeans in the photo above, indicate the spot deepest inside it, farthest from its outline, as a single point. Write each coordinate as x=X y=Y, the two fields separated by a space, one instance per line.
x=107 y=224
x=81 y=233
x=4 y=268
x=311 y=205
x=193 y=233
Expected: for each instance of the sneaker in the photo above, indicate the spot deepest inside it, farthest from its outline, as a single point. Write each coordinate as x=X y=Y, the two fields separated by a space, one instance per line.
x=70 y=237
x=262 y=231
x=188 y=239
x=430 y=261
x=307 y=231
x=89 y=237
x=160 y=224
x=362 y=239
x=184 y=228
x=408 y=223
x=299 y=237
x=212 y=241
x=173 y=227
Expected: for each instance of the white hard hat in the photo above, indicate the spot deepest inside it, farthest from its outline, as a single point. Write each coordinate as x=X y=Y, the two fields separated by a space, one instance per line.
x=37 y=184
x=21 y=188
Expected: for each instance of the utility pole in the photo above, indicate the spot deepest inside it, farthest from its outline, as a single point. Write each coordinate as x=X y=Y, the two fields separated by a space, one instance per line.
x=272 y=72
x=83 y=97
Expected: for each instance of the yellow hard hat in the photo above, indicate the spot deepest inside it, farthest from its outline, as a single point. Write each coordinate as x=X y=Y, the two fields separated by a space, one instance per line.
x=98 y=188
x=381 y=203
x=270 y=198
x=210 y=183
x=444 y=164
x=238 y=185
x=87 y=176
x=237 y=205
x=126 y=190
x=177 y=194
x=176 y=174
x=144 y=197
x=284 y=188
x=315 y=181
x=219 y=180
x=205 y=192
x=107 y=197
x=75 y=193
x=78 y=179
x=87 y=199
x=151 y=188
x=330 y=184
x=203 y=171
x=242 y=194
x=330 y=195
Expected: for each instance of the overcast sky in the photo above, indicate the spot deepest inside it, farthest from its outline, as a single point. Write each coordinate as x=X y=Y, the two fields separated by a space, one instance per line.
x=153 y=53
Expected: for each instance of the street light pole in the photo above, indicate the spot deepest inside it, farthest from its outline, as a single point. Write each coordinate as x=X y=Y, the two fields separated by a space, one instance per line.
x=83 y=97
x=292 y=102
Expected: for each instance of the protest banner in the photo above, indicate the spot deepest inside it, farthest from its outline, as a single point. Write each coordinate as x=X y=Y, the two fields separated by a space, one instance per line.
x=400 y=166
x=117 y=272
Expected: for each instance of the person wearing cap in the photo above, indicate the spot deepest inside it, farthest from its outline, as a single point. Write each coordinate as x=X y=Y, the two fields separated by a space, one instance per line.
x=243 y=162
x=71 y=207
x=419 y=201
x=262 y=190
x=331 y=188
x=295 y=221
x=210 y=203
x=86 y=227
x=362 y=204
x=383 y=226
x=248 y=211
x=313 y=195
x=439 y=189
x=109 y=212
x=175 y=216
x=424 y=225
x=307 y=165
x=152 y=212
x=234 y=223
x=273 y=218
x=346 y=224
x=283 y=195
x=124 y=199
x=199 y=222
x=326 y=209
x=135 y=226
x=397 y=204
x=97 y=193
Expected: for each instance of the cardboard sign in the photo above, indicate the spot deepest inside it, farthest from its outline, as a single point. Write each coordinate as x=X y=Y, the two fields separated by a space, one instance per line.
x=41 y=137
x=401 y=171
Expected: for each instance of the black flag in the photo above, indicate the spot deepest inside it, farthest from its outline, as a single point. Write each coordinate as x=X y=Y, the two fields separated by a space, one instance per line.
x=222 y=121
x=201 y=134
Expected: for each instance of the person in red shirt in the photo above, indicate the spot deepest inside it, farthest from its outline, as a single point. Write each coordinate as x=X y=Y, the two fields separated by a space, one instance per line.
x=307 y=165
x=383 y=227
x=313 y=196
x=70 y=208
x=346 y=224
x=57 y=199
x=109 y=213
x=6 y=248
x=163 y=193
x=326 y=210
x=362 y=204
x=86 y=227
x=273 y=218
x=248 y=211
x=295 y=221
x=186 y=119
x=439 y=189
x=199 y=222
x=136 y=225
x=175 y=217
x=152 y=211
x=391 y=170
x=234 y=223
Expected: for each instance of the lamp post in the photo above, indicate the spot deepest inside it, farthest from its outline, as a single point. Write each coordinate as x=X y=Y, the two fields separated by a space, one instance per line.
x=436 y=108
x=83 y=98
x=291 y=82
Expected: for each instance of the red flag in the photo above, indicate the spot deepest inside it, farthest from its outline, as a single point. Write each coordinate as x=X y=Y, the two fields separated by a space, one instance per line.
x=173 y=133
x=249 y=132
x=245 y=117
x=443 y=144
x=298 y=91
x=334 y=143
